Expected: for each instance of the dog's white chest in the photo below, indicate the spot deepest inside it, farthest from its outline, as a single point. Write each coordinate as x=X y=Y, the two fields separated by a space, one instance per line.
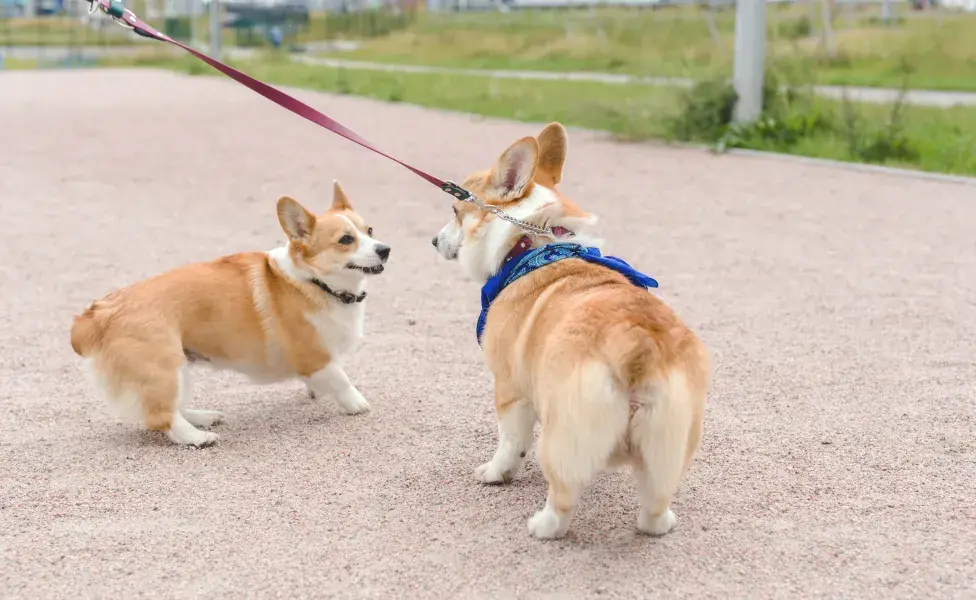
x=340 y=330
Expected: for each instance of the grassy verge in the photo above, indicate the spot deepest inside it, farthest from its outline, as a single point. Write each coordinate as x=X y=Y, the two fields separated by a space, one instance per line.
x=937 y=49
x=61 y=30
x=931 y=139
x=940 y=51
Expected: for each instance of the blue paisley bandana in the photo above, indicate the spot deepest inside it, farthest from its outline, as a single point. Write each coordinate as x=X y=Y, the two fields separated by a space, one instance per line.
x=546 y=255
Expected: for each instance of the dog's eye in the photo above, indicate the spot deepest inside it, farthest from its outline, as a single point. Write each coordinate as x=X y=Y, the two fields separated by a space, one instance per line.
x=346 y=240
x=369 y=231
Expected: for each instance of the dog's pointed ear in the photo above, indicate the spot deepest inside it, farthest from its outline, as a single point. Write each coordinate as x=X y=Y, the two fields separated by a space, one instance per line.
x=514 y=170
x=553 y=143
x=339 y=199
x=296 y=222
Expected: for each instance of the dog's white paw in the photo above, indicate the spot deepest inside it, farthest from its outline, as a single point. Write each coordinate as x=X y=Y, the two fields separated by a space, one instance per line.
x=659 y=525
x=547 y=525
x=491 y=474
x=353 y=403
x=200 y=439
x=202 y=418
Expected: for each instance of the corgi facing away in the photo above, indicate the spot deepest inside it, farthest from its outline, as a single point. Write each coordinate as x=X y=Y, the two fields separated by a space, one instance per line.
x=611 y=374
x=293 y=312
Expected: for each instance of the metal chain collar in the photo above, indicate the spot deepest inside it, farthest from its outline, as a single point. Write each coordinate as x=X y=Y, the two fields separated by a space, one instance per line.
x=465 y=196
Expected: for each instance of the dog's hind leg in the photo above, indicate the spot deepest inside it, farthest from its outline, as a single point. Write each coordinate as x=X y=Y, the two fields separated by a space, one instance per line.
x=157 y=381
x=578 y=438
x=196 y=417
x=516 y=418
x=161 y=401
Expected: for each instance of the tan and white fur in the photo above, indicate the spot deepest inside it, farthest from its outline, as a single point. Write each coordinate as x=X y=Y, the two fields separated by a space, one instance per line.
x=258 y=313
x=611 y=374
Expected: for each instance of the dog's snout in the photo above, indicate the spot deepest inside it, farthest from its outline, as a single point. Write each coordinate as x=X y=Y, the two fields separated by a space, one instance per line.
x=434 y=241
x=383 y=251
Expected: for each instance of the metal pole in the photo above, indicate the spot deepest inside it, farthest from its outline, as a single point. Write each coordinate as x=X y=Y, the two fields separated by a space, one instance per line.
x=215 y=29
x=194 y=17
x=885 y=11
x=750 y=55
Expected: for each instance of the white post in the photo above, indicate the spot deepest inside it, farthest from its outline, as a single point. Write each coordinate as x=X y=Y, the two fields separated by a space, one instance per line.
x=194 y=16
x=215 y=29
x=885 y=11
x=750 y=59
x=826 y=14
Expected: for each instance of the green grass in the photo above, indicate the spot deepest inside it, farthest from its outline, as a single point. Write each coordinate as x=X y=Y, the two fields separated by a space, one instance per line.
x=61 y=31
x=938 y=53
x=941 y=54
x=942 y=140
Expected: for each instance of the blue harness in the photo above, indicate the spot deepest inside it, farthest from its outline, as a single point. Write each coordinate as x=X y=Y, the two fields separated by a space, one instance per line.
x=546 y=255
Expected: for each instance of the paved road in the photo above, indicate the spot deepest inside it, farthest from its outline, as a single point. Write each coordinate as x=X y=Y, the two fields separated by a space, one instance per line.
x=839 y=446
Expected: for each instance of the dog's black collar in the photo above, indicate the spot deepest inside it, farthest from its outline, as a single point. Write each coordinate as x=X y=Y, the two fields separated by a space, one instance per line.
x=344 y=297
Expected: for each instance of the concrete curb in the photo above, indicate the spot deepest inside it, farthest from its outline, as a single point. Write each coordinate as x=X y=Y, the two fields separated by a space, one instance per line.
x=853 y=166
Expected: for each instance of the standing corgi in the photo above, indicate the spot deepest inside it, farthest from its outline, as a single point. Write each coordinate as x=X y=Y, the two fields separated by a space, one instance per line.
x=295 y=311
x=575 y=342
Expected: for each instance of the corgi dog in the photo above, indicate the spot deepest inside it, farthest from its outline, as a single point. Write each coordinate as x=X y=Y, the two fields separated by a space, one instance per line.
x=575 y=342
x=293 y=312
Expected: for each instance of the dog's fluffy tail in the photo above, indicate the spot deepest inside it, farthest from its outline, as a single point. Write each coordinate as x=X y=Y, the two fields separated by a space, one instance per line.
x=85 y=332
x=668 y=386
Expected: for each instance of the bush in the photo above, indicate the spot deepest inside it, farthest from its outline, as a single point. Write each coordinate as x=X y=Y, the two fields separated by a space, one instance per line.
x=791 y=116
x=878 y=146
x=706 y=111
x=795 y=29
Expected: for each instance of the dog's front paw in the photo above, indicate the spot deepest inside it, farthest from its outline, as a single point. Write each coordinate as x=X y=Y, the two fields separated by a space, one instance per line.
x=547 y=525
x=658 y=525
x=489 y=473
x=353 y=403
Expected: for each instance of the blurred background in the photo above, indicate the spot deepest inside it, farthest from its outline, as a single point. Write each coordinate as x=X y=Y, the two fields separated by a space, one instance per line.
x=885 y=82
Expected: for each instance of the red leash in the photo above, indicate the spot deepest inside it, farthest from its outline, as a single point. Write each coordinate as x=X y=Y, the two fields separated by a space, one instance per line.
x=127 y=18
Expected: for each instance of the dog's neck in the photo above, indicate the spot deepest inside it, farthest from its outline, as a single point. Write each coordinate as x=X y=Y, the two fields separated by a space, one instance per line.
x=345 y=285
x=344 y=297
x=524 y=244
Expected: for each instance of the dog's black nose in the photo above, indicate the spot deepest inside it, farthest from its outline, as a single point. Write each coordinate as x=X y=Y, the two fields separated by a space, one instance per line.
x=383 y=251
x=434 y=241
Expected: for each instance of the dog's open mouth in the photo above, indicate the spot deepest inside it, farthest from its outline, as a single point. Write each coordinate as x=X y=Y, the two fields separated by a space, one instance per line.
x=375 y=270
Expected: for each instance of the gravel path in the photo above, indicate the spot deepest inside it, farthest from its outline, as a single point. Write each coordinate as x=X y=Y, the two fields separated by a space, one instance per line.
x=838 y=458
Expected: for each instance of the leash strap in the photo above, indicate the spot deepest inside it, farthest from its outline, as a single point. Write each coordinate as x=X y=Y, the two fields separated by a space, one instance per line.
x=128 y=19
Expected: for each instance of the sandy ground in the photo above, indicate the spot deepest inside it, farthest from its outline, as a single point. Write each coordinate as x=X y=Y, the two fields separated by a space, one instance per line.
x=838 y=458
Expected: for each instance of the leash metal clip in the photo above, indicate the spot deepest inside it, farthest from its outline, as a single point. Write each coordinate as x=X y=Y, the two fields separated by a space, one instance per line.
x=115 y=9
x=465 y=196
